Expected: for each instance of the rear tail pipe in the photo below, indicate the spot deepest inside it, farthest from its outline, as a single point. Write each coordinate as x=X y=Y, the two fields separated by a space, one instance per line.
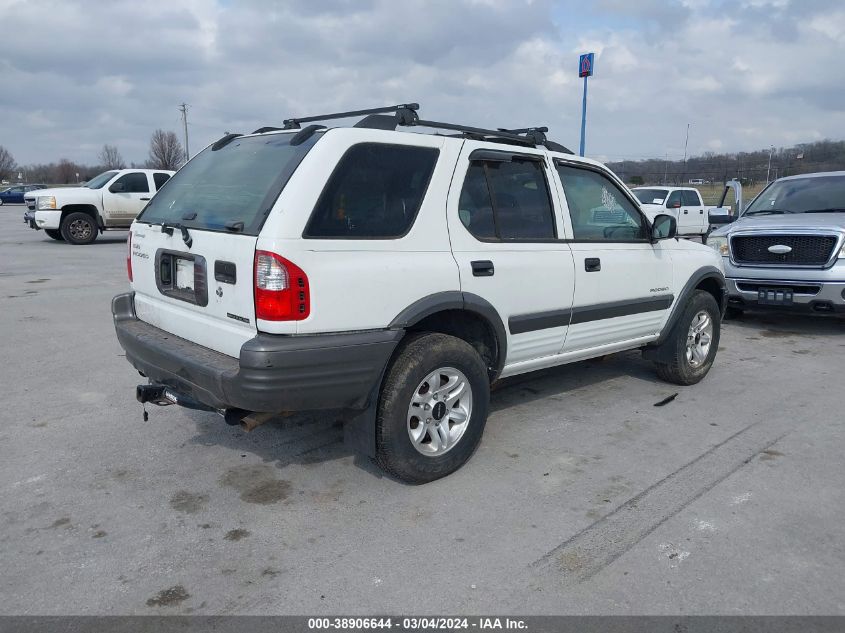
x=247 y=420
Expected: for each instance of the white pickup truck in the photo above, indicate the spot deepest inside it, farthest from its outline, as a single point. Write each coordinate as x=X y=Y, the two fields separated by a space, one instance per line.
x=108 y=201
x=682 y=203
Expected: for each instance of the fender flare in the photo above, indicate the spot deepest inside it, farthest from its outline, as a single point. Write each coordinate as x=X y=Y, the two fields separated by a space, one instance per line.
x=705 y=272
x=457 y=300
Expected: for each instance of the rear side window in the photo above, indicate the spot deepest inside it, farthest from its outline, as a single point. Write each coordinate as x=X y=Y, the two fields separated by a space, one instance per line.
x=135 y=182
x=159 y=179
x=374 y=192
x=507 y=200
x=690 y=198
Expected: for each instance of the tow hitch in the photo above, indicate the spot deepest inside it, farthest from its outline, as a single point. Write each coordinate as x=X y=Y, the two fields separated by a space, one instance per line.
x=162 y=396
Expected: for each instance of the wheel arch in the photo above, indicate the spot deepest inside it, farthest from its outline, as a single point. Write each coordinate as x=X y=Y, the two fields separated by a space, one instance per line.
x=88 y=209
x=464 y=315
x=708 y=278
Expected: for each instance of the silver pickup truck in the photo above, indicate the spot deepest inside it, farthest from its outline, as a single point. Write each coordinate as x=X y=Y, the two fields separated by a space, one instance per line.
x=787 y=249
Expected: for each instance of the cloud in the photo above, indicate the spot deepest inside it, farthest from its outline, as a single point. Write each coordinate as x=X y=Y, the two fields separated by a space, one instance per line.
x=745 y=74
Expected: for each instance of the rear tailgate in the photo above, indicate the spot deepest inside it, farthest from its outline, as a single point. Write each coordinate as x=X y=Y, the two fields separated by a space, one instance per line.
x=193 y=246
x=203 y=293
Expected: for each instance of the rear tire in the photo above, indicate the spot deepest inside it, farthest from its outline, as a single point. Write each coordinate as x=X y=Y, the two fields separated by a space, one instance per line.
x=56 y=234
x=432 y=408
x=692 y=344
x=79 y=228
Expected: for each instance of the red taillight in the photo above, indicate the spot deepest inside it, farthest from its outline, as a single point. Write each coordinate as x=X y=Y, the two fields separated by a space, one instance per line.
x=129 y=256
x=281 y=289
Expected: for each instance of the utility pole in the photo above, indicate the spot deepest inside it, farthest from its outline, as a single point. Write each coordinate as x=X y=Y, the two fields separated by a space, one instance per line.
x=184 y=110
x=686 y=142
x=666 y=169
x=769 y=168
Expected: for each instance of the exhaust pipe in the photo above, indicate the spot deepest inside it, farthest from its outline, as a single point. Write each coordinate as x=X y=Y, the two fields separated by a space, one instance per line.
x=248 y=420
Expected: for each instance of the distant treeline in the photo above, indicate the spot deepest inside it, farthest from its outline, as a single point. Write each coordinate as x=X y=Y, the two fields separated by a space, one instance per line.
x=749 y=167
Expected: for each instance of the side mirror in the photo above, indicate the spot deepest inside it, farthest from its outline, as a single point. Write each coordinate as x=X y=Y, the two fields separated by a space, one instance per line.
x=664 y=227
x=118 y=187
x=674 y=205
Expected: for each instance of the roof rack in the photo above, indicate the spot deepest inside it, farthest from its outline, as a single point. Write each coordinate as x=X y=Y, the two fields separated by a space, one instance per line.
x=405 y=114
x=403 y=111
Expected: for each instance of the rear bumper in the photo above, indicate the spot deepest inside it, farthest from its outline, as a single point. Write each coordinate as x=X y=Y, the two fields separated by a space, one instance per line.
x=808 y=296
x=273 y=373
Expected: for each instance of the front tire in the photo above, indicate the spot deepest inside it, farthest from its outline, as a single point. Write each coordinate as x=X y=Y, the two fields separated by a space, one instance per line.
x=432 y=408
x=692 y=344
x=79 y=228
x=56 y=234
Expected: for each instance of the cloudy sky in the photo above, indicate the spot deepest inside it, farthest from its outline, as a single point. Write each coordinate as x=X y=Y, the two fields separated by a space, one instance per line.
x=744 y=73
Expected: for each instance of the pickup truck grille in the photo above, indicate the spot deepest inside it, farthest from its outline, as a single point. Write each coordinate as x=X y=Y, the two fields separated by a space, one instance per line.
x=807 y=250
x=30 y=204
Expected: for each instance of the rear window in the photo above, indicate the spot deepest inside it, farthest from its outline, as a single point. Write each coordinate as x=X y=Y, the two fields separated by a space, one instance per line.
x=374 y=192
x=159 y=179
x=237 y=183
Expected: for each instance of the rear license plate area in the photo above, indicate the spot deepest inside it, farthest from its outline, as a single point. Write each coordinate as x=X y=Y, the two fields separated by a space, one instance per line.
x=774 y=296
x=181 y=276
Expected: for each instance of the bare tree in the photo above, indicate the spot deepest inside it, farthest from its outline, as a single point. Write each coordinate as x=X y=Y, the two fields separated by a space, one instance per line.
x=165 y=151
x=7 y=163
x=110 y=157
x=66 y=171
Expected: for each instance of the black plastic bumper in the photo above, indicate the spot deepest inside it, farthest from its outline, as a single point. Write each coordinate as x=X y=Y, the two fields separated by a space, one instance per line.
x=274 y=372
x=811 y=307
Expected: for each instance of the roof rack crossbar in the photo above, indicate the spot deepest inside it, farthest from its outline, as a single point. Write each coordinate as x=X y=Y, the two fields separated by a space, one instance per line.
x=403 y=110
x=474 y=131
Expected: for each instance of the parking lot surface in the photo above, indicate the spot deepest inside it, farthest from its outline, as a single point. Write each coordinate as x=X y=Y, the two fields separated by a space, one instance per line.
x=584 y=497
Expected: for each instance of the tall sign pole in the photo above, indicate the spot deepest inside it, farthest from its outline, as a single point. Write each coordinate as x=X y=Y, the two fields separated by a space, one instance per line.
x=585 y=69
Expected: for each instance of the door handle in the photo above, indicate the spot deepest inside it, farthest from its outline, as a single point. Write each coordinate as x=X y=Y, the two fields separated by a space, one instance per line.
x=685 y=211
x=701 y=211
x=592 y=264
x=482 y=268
x=143 y=198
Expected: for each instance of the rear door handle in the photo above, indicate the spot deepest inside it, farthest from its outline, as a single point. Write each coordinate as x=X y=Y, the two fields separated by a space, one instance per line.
x=143 y=198
x=592 y=264
x=482 y=268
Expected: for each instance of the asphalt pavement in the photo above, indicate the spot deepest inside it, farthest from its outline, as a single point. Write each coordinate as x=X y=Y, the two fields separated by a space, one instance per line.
x=584 y=497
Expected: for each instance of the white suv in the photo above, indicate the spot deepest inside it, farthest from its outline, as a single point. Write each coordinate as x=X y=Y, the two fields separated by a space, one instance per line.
x=397 y=275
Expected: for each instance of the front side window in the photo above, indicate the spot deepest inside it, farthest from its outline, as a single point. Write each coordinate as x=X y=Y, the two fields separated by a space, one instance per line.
x=136 y=182
x=374 y=192
x=598 y=208
x=507 y=200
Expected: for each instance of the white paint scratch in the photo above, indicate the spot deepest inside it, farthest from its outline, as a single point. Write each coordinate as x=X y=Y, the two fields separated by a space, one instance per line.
x=739 y=499
x=705 y=526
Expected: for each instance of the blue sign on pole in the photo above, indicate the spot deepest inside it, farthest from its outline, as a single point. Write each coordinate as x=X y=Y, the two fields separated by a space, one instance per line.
x=585 y=69
x=585 y=65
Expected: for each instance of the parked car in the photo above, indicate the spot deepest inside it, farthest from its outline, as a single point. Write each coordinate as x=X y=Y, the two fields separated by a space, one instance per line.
x=787 y=249
x=15 y=195
x=106 y=202
x=397 y=275
x=682 y=203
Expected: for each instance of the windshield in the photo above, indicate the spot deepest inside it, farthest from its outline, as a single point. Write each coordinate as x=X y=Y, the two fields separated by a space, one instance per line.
x=651 y=196
x=237 y=183
x=97 y=182
x=818 y=194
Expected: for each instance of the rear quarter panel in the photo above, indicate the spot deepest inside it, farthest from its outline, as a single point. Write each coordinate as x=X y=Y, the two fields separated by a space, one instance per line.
x=362 y=284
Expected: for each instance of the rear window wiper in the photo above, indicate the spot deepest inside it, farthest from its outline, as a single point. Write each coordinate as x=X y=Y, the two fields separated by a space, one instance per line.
x=167 y=228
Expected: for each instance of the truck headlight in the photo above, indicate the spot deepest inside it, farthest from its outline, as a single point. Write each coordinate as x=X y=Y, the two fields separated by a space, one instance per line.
x=719 y=244
x=46 y=202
